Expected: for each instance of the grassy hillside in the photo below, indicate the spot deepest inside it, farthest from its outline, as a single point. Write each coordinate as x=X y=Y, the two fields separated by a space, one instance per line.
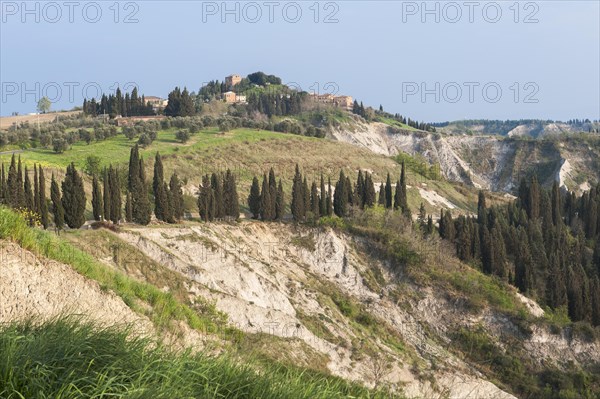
x=250 y=152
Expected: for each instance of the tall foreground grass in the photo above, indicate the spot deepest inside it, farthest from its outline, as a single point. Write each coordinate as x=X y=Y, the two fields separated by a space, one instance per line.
x=67 y=358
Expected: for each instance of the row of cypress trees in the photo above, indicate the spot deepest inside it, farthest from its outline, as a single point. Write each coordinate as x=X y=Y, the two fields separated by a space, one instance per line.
x=318 y=201
x=268 y=201
x=107 y=200
x=218 y=197
x=67 y=202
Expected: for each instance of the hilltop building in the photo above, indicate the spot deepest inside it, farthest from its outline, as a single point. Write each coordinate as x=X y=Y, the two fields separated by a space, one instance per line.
x=232 y=80
x=344 y=102
x=233 y=98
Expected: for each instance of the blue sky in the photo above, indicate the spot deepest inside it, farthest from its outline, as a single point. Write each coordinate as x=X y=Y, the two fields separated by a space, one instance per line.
x=512 y=60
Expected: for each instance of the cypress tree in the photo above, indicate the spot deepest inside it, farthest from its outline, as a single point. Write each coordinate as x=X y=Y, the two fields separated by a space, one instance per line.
x=157 y=188
x=403 y=201
x=487 y=251
x=298 y=204
x=169 y=208
x=57 y=207
x=422 y=217
x=369 y=191
x=359 y=190
x=442 y=225
x=556 y=290
x=3 y=190
x=499 y=258
x=306 y=193
x=349 y=191
x=595 y=293
x=42 y=199
x=279 y=202
x=314 y=200
x=29 y=201
x=134 y=168
x=596 y=258
x=177 y=194
x=106 y=197
x=382 y=200
x=206 y=200
x=128 y=208
x=340 y=196
x=73 y=198
x=230 y=196
x=556 y=204
x=323 y=202
x=20 y=186
x=273 y=190
x=388 y=192
x=329 y=198
x=115 y=195
x=534 y=199
x=429 y=229
x=523 y=264
x=217 y=186
x=36 y=190
x=254 y=199
x=481 y=208
x=3 y=199
x=97 y=205
x=265 y=200
x=12 y=185
x=140 y=204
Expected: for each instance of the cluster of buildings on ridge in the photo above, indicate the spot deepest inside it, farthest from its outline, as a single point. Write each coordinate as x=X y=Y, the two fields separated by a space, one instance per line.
x=232 y=97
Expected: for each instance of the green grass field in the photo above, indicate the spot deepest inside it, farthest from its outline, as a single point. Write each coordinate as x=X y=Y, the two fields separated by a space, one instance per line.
x=116 y=149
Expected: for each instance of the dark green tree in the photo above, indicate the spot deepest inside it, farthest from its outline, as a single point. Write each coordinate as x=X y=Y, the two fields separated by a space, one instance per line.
x=36 y=190
x=106 y=196
x=230 y=196
x=388 y=192
x=177 y=195
x=42 y=198
x=254 y=199
x=329 y=198
x=73 y=198
x=13 y=186
x=340 y=196
x=381 y=199
x=206 y=200
x=298 y=204
x=128 y=208
x=369 y=191
x=314 y=201
x=97 y=203
x=57 y=207
x=217 y=186
x=28 y=189
x=266 y=207
x=160 y=197
x=279 y=202
x=115 y=195
x=323 y=202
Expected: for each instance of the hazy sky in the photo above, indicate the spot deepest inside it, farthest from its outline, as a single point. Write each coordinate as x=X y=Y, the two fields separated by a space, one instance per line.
x=430 y=61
